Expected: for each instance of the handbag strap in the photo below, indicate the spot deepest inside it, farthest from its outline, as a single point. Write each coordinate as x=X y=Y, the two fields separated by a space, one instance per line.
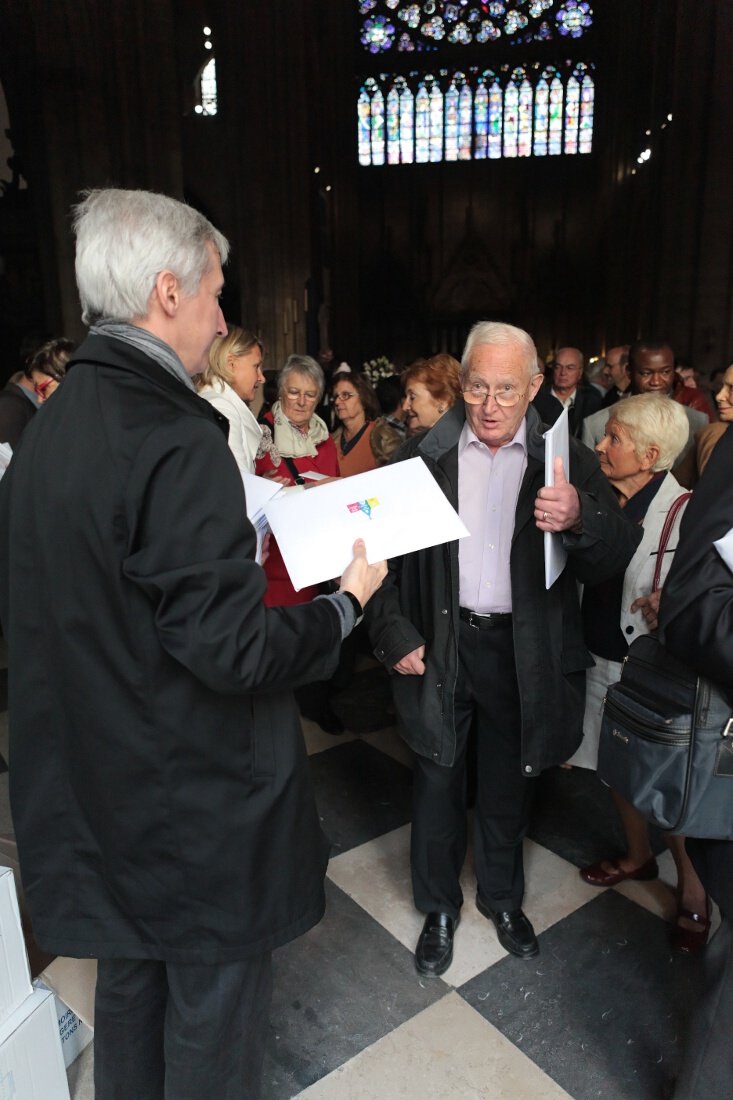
x=665 y=536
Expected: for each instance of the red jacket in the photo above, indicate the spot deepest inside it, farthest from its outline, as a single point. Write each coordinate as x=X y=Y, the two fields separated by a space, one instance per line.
x=280 y=592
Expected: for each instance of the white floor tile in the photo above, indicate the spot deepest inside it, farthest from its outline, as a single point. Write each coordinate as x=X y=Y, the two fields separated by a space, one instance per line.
x=447 y=1051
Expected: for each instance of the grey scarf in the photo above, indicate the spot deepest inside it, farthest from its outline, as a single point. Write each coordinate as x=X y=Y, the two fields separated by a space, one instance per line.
x=160 y=352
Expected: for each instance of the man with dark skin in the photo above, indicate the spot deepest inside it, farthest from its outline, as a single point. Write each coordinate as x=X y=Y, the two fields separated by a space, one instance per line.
x=651 y=367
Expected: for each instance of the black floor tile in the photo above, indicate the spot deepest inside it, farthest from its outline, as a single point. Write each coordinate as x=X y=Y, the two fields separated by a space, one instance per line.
x=338 y=989
x=575 y=817
x=603 y=1009
x=361 y=793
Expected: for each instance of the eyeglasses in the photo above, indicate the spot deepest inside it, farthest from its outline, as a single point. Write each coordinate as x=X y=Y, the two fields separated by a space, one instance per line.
x=506 y=396
x=42 y=387
x=343 y=397
x=295 y=394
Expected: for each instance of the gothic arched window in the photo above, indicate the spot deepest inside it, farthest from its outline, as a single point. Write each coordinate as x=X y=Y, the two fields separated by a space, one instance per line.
x=472 y=114
x=441 y=112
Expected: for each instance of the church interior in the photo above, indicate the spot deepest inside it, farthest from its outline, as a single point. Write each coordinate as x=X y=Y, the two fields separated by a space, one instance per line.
x=354 y=227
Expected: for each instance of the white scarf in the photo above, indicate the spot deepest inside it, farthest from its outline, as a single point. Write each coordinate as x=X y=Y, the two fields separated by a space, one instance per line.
x=292 y=443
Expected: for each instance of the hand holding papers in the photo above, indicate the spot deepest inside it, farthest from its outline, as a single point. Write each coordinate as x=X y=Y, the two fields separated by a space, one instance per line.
x=557 y=445
x=396 y=509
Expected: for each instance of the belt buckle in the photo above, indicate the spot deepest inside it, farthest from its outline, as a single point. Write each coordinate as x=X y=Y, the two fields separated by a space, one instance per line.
x=471 y=616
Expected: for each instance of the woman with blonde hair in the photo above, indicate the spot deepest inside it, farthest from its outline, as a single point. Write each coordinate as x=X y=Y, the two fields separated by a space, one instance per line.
x=231 y=379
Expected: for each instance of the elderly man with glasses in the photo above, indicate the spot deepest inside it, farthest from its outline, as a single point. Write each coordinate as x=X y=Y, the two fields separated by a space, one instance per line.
x=478 y=642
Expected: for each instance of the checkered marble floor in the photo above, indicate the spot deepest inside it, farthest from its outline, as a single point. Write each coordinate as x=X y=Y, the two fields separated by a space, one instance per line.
x=601 y=1012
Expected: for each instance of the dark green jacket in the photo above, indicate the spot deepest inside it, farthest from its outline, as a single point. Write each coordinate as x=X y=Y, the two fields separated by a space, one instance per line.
x=418 y=603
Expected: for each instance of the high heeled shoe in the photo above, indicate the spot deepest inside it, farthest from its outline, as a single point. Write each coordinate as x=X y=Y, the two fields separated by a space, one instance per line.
x=691 y=940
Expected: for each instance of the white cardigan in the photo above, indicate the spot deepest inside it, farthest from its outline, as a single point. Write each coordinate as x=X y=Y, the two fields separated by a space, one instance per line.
x=244 y=431
x=640 y=570
x=637 y=582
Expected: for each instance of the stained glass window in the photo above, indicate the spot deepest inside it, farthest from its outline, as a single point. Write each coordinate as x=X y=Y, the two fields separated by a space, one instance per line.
x=476 y=114
x=511 y=112
x=524 y=116
x=554 y=138
x=496 y=110
x=587 y=95
x=481 y=120
x=407 y=25
x=541 y=116
x=207 y=94
x=465 y=131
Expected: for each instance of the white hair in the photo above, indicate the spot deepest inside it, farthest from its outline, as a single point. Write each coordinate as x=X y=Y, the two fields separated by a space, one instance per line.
x=496 y=333
x=124 y=239
x=301 y=364
x=653 y=420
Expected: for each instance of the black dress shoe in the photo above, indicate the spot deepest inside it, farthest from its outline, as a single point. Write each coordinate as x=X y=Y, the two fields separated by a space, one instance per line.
x=516 y=934
x=434 y=951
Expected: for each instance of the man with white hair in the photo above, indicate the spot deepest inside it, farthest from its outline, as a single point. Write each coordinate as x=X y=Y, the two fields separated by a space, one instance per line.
x=159 y=784
x=478 y=641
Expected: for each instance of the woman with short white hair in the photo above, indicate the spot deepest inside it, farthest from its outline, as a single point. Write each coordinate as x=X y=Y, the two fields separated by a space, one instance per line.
x=644 y=435
x=303 y=445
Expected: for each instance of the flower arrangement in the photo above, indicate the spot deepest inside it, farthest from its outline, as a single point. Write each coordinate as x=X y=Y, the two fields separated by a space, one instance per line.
x=376 y=369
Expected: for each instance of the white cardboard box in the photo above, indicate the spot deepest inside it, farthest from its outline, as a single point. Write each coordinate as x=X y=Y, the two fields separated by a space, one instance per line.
x=31 y=1063
x=15 y=979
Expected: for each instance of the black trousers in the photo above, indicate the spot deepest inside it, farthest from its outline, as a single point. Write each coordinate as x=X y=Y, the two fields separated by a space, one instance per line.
x=487 y=700
x=170 y=1031
x=707 y=1068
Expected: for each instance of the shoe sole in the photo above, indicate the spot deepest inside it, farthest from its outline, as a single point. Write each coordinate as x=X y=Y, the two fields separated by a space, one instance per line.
x=513 y=950
x=436 y=971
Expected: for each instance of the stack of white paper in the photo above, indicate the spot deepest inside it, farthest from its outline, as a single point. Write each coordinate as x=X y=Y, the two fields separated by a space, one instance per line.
x=258 y=491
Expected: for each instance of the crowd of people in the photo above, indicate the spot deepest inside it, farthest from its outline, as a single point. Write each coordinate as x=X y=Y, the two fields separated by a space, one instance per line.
x=155 y=666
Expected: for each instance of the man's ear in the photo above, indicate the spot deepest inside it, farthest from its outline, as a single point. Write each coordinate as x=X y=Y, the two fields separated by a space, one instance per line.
x=534 y=384
x=167 y=292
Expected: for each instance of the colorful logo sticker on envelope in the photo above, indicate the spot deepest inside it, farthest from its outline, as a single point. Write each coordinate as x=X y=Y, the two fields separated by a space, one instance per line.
x=364 y=506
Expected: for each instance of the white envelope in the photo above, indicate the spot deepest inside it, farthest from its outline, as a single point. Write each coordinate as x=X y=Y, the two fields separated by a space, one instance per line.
x=396 y=509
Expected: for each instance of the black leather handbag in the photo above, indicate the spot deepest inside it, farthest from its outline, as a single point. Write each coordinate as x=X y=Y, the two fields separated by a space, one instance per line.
x=667 y=744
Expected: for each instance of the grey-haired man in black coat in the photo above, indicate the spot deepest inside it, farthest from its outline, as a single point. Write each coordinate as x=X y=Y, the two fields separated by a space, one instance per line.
x=159 y=783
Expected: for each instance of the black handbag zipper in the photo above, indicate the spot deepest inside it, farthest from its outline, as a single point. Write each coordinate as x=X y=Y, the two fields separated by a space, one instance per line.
x=642 y=728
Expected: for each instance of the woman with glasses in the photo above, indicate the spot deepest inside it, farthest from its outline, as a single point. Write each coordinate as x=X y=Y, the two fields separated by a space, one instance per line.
x=357 y=410
x=432 y=386
x=303 y=445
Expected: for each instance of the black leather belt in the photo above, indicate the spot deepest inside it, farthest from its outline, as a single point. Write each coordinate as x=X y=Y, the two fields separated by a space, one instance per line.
x=487 y=621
